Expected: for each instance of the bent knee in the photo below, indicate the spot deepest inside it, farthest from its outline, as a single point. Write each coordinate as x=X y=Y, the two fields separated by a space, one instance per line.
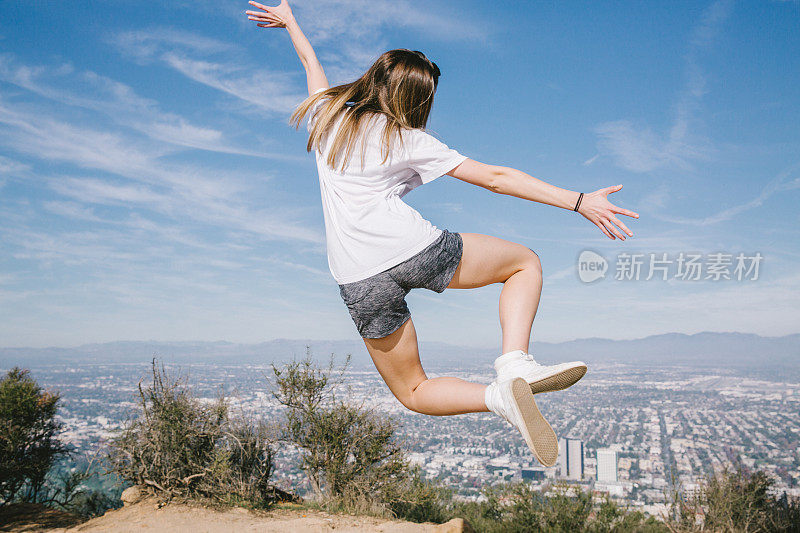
x=531 y=261
x=409 y=403
x=410 y=399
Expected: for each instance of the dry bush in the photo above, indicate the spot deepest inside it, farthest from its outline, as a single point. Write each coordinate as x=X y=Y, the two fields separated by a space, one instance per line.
x=351 y=456
x=181 y=447
x=734 y=499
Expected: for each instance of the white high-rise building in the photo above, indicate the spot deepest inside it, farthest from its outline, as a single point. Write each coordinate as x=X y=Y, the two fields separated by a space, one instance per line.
x=607 y=465
x=570 y=458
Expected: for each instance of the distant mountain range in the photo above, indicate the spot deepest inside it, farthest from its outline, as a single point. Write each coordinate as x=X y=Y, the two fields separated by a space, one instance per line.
x=707 y=350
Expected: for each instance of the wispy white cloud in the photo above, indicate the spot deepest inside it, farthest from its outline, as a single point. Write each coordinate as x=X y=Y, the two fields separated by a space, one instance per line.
x=144 y=44
x=10 y=166
x=655 y=198
x=72 y=210
x=270 y=91
x=591 y=160
x=103 y=192
x=73 y=248
x=36 y=134
x=348 y=36
x=447 y=207
x=318 y=273
x=778 y=184
x=118 y=101
x=351 y=33
x=77 y=211
x=638 y=148
x=137 y=275
x=561 y=274
x=217 y=66
x=190 y=190
x=365 y=21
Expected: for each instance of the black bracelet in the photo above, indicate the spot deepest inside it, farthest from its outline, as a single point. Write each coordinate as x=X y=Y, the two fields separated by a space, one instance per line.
x=578 y=204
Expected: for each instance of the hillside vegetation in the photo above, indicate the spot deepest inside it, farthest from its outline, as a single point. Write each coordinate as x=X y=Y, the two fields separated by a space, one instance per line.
x=180 y=450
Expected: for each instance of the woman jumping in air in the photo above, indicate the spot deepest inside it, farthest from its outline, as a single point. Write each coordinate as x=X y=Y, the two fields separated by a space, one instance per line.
x=371 y=149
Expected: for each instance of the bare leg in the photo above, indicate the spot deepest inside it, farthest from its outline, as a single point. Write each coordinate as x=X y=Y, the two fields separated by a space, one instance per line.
x=397 y=359
x=485 y=260
x=488 y=260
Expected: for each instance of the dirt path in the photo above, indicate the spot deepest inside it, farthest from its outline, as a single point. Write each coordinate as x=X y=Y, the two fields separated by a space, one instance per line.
x=146 y=516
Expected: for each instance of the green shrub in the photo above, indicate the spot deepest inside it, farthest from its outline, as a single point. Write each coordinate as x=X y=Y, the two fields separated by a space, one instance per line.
x=178 y=446
x=517 y=507
x=29 y=443
x=350 y=454
x=35 y=466
x=732 y=500
x=418 y=499
x=610 y=517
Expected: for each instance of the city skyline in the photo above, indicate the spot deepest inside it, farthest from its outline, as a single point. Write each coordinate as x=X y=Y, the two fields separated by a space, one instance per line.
x=664 y=426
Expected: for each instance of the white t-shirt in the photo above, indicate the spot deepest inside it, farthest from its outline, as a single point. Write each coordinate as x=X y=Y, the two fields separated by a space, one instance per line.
x=368 y=227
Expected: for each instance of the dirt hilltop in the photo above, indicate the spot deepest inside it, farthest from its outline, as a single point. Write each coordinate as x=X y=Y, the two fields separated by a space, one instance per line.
x=147 y=515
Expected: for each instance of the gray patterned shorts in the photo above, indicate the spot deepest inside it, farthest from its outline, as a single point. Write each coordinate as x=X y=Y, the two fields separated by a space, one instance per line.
x=378 y=303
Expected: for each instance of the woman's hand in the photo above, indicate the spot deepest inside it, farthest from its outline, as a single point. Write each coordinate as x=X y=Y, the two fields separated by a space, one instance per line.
x=271 y=17
x=281 y=16
x=600 y=212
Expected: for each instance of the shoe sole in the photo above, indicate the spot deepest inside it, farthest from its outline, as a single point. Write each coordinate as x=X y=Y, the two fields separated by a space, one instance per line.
x=559 y=381
x=538 y=434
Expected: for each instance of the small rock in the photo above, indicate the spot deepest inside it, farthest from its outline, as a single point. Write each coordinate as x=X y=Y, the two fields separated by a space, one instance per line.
x=456 y=525
x=132 y=495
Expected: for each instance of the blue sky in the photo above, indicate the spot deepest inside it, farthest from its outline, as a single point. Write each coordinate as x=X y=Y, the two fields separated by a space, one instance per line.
x=150 y=187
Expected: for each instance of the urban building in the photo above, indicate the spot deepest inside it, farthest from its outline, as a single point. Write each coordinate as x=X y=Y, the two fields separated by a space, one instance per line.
x=534 y=474
x=607 y=465
x=570 y=458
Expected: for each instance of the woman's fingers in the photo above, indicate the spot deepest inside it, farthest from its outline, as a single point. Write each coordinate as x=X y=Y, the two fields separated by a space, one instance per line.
x=619 y=223
x=608 y=190
x=264 y=19
x=604 y=230
x=260 y=15
x=259 y=6
x=626 y=212
x=613 y=229
x=600 y=212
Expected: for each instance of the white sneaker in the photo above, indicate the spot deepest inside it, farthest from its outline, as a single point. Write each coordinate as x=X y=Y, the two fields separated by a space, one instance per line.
x=513 y=400
x=542 y=378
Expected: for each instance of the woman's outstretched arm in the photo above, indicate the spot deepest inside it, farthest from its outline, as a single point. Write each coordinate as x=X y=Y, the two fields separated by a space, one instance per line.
x=281 y=17
x=512 y=182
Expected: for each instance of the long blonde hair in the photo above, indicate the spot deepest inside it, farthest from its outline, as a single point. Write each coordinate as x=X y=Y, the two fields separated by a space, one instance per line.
x=400 y=85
